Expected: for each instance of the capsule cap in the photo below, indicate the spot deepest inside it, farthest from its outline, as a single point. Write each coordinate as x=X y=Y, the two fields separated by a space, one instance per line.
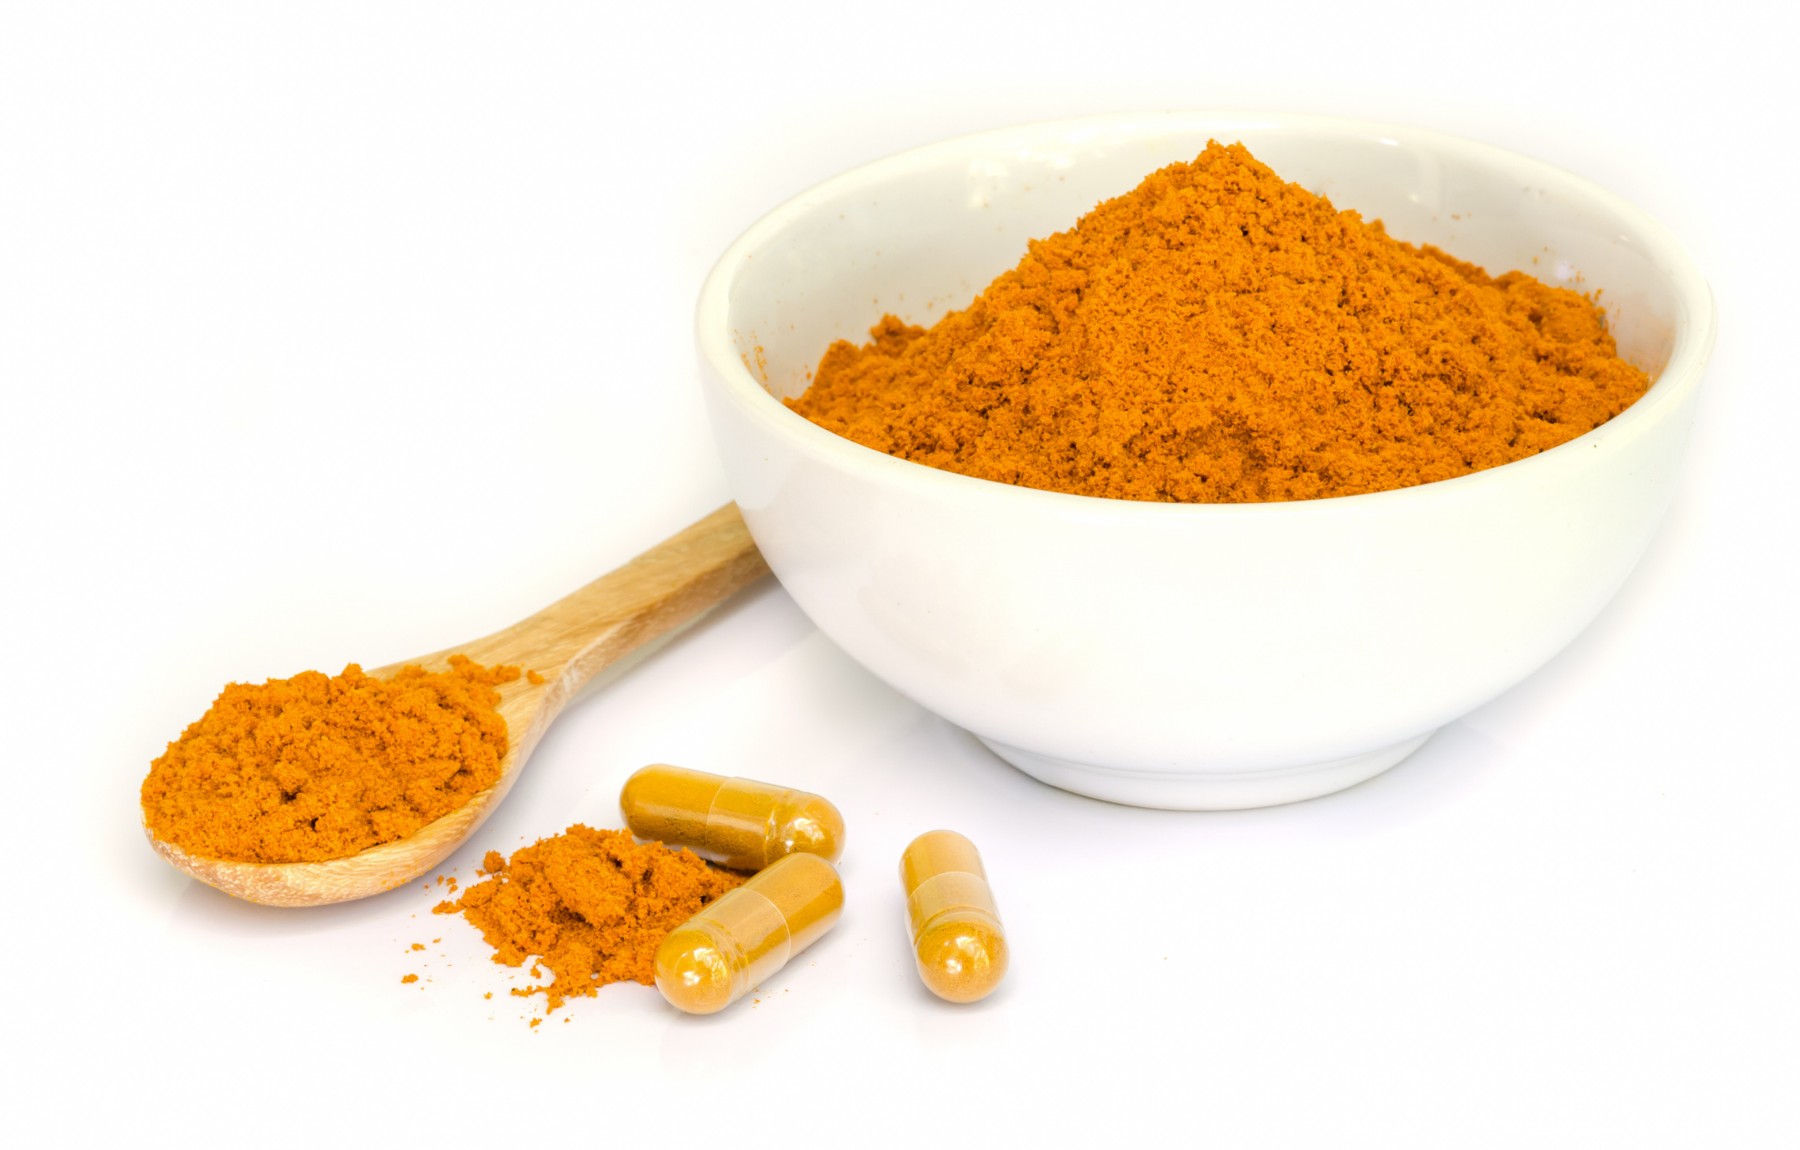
x=807 y=824
x=695 y=968
x=938 y=852
x=962 y=955
x=669 y=804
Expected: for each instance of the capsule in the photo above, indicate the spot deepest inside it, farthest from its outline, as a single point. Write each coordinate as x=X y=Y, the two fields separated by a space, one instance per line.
x=956 y=932
x=709 y=961
x=738 y=823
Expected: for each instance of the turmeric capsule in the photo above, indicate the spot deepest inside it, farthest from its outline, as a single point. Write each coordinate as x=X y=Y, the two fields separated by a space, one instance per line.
x=956 y=932
x=709 y=961
x=739 y=823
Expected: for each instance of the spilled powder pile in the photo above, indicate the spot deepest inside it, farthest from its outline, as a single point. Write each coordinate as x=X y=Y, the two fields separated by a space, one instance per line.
x=591 y=905
x=316 y=767
x=1220 y=336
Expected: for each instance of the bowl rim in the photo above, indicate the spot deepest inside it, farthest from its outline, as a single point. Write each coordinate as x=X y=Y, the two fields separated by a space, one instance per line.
x=1696 y=324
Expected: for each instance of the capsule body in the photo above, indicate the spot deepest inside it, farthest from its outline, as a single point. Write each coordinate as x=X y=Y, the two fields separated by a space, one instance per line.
x=709 y=961
x=739 y=823
x=956 y=933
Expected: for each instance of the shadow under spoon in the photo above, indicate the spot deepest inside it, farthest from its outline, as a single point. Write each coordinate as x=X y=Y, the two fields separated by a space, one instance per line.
x=568 y=643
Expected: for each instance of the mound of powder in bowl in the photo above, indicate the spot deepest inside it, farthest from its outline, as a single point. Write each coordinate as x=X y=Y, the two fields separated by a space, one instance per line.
x=591 y=905
x=320 y=767
x=1220 y=336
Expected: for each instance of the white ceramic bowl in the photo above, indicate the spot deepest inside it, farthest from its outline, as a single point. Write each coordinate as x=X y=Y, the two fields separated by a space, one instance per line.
x=1188 y=655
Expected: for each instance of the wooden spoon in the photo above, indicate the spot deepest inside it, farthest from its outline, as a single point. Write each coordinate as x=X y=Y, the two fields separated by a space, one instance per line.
x=568 y=642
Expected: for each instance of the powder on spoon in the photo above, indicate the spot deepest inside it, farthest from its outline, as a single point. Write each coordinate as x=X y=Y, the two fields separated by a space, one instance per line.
x=316 y=767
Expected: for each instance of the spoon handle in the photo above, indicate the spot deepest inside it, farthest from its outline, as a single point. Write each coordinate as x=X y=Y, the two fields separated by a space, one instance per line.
x=576 y=637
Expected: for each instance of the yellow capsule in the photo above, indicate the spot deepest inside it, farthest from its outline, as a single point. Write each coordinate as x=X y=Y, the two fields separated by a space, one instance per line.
x=709 y=961
x=739 y=823
x=956 y=932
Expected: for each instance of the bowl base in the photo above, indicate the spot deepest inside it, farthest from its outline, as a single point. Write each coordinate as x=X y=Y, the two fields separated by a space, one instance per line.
x=1233 y=791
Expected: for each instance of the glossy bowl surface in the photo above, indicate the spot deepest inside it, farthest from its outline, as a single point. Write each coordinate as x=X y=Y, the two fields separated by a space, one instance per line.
x=1189 y=655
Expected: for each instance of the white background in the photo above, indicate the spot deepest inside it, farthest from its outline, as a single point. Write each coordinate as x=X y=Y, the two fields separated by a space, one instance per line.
x=336 y=333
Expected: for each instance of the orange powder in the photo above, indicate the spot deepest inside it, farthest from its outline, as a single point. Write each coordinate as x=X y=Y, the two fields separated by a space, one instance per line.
x=590 y=905
x=1220 y=336
x=317 y=767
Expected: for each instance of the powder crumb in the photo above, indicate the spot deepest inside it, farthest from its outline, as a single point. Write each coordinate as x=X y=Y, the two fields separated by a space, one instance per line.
x=489 y=994
x=534 y=1023
x=590 y=906
x=410 y=978
x=535 y=679
x=435 y=941
x=418 y=946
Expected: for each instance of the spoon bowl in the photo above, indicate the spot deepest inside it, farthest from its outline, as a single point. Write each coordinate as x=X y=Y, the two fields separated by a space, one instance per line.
x=567 y=643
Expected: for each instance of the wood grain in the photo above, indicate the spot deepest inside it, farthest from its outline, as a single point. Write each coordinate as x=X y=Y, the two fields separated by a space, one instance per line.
x=568 y=643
